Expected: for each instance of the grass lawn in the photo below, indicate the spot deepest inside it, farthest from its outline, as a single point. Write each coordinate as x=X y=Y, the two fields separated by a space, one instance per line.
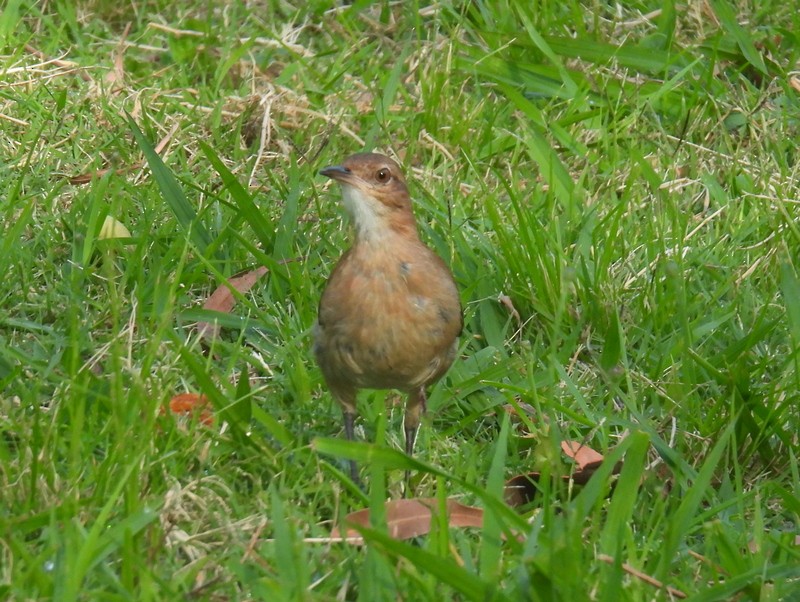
x=616 y=188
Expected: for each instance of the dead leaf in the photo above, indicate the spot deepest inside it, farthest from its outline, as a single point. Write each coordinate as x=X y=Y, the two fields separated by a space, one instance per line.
x=583 y=455
x=365 y=102
x=588 y=461
x=223 y=300
x=410 y=518
x=185 y=404
x=520 y=490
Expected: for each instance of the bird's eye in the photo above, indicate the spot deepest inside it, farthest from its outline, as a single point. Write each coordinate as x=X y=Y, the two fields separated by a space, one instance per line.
x=382 y=175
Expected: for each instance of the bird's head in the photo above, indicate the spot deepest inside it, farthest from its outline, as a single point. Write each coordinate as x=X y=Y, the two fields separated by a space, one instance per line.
x=375 y=195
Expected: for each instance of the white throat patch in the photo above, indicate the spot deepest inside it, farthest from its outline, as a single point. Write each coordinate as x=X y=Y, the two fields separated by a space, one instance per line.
x=365 y=212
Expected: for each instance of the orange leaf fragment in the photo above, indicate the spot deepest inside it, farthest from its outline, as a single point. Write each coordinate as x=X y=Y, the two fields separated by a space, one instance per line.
x=583 y=455
x=223 y=300
x=192 y=404
x=410 y=518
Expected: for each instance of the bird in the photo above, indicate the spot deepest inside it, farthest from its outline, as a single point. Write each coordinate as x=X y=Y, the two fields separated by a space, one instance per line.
x=390 y=314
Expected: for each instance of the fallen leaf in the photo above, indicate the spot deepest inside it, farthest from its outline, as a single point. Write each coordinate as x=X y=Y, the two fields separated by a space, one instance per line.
x=223 y=300
x=583 y=455
x=410 y=518
x=520 y=490
x=185 y=404
x=588 y=461
x=113 y=228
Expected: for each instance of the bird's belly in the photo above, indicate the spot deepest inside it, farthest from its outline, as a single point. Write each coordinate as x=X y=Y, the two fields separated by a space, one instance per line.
x=387 y=342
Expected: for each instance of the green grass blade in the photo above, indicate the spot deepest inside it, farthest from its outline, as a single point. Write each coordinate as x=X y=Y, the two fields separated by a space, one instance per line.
x=96 y=543
x=727 y=19
x=646 y=60
x=539 y=41
x=264 y=231
x=292 y=568
x=728 y=590
x=550 y=165
x=489 y=560
x=626 y=493
x=171 y=191
x=683 y=519
x=612 y=349
x=445 y=570
x=790 y=289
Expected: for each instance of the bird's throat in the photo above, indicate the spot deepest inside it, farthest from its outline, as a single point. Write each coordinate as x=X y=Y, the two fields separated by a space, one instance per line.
x=375 y=222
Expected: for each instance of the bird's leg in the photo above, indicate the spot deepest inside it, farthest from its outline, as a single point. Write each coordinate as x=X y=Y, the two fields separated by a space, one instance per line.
x=349 y=422
x=415 y=407
x=346 y=396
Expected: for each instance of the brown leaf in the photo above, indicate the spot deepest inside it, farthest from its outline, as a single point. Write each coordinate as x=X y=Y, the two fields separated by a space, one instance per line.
x=583 y=455
x=521 y=489
x=192 y=404
x=412 y=518
x=588 y=461
x=223 y=300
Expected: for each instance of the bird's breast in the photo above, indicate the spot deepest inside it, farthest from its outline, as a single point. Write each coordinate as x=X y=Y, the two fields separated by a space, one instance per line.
x=388 y=319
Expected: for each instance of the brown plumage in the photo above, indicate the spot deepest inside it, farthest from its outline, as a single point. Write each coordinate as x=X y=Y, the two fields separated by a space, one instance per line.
x=390 y=315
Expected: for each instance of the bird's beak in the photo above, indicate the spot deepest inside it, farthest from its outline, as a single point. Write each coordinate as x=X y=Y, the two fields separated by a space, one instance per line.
x=336 y=172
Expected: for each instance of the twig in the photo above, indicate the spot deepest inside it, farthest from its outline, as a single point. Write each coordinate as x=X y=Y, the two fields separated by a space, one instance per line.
x=643 y=576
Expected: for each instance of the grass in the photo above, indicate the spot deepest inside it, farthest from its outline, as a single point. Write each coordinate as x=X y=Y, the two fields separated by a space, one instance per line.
x=624 y=176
